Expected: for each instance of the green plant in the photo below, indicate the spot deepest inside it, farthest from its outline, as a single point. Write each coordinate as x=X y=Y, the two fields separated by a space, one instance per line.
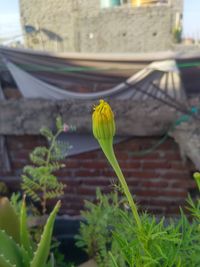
x=177 y=34
x=160 y=243
x=99 y=221
x=16 y=201
x=16 y=246
x=103 y=126
x=58 y=255
x=3 y=189
x=142 y=240
x=38 y=180
x=109 y=234
x=194 y=205
x=8 y=218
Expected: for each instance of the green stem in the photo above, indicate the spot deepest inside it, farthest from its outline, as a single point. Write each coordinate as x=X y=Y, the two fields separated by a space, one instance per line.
x=107 y=147
x=52 y=146
x=44 y=202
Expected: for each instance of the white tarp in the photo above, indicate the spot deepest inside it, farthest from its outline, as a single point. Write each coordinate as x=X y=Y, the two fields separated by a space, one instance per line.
x=165 y=74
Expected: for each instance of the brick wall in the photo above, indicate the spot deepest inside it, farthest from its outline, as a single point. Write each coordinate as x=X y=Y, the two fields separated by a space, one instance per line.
x=160 y=181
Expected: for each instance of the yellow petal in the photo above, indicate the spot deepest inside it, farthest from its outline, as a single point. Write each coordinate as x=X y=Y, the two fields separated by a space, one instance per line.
x=103 y=123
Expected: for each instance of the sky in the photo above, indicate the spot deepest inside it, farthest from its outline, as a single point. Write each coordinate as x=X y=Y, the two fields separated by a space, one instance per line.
x=191 y=18
x=10 y=19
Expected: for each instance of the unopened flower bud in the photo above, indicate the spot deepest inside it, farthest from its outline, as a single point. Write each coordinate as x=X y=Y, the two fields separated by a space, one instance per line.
x=196 y=176
x=103 y=123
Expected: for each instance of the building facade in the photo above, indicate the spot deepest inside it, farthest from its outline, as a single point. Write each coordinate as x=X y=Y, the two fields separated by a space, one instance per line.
x=84 y=26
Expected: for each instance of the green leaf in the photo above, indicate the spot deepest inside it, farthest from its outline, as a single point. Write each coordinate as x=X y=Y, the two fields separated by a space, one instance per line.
x=31 y=193
x=51 y=262
x=4 y=262
x=42 y=252
x=46 y=132
x=24 y=234
x=8 y=218
x=113 y=259
x=10 y=250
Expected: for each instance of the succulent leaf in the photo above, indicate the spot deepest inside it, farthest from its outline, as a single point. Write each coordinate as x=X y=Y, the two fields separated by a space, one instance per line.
x=8 y=218
x=42 y=252
x=10 y=250
x=25 y=240
x=4 y=262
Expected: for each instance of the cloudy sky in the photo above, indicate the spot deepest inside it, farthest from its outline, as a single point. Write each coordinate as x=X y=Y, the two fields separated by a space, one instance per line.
x=10 y=22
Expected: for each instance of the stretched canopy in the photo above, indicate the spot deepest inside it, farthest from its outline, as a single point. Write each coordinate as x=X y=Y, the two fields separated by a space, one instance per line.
x=98 y=72
x=165 y=77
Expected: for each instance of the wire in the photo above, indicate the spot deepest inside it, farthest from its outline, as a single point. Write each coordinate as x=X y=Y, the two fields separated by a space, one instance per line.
x=33 y=67
x=181 y=119
x=151 y=149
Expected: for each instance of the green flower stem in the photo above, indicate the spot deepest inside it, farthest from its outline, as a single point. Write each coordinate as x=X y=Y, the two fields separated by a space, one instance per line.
x=107 y=147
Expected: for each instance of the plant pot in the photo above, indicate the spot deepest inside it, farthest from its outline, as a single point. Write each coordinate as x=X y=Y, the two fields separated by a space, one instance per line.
x=65 y=229
x=90 y=263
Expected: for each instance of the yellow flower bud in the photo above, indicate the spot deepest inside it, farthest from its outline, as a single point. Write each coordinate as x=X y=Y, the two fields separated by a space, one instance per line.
x=196 y=176
x=103 y=123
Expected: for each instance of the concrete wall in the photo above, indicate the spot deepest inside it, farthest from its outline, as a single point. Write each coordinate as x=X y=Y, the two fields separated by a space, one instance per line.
x=127 y=30
x=53 y=21
x=81 y=25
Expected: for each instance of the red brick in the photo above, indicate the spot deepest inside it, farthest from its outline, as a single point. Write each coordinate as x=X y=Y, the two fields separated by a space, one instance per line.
x=168 y=145
x=130 y=164
x=108 y=173
x=162 y=203
x=182 y=184
x=18 y=164
x=158 y=193
x=154 y=184
x=87 y=173
x=94 y=164
x=144 y=174
x=88 y=155
x=152 y=156
x=156 y=210
x=72 y=163
x=64 y=173
x=173 y=210
x=20 y=154
x=122 y=155
x=156 y=165
x=128 y=145
x=86 y=190
x=100 y=181
x=172 y=155
x=133 y=183
x=178 y=165
x=175 y=175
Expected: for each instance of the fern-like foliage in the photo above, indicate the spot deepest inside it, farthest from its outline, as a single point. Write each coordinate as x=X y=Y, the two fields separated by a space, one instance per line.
x=95 y=234
x=38 y=180
x=110 y=236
